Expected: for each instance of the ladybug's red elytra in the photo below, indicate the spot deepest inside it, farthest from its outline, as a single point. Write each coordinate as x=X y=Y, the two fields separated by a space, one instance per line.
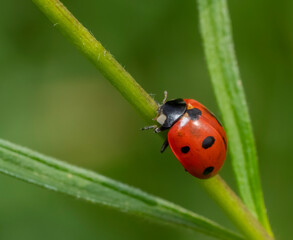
x=195 y=136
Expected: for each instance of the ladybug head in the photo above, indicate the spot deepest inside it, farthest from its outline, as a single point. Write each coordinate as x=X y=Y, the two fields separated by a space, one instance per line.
x=170 y=112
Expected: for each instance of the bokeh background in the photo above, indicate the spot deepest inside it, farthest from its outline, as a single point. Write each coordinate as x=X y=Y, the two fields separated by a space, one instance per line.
x=54 y=101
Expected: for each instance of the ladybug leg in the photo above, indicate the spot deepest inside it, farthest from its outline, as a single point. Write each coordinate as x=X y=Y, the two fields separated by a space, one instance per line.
x=165 y=98
x=155 y=127
x=149 y=127
x=164 y=101
x=164 y=146
x=160 y=105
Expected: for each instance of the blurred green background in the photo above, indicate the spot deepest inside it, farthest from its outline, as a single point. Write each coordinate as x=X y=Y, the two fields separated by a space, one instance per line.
x=54 y=101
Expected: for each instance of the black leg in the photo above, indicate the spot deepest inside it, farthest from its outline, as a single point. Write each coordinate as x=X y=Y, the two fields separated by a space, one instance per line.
x=158 y=129
x=164 y=146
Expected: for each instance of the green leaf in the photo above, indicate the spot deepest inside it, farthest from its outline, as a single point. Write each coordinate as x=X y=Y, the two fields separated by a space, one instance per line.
x=222 y=65
x=62 y=177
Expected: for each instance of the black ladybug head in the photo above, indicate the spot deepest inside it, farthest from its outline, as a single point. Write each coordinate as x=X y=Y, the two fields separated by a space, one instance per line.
x=170 y=112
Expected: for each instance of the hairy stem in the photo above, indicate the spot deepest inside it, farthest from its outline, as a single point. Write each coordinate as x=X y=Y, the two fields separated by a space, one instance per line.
x=101 y=58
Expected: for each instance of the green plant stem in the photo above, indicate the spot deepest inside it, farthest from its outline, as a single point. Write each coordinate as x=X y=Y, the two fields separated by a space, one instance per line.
x=116 y=74
x=234 y=208
x=101 y=58
x=219 y=50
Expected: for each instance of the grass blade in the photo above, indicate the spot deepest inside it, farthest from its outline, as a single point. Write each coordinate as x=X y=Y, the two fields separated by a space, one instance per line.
x=62 y=177
x=222 y=64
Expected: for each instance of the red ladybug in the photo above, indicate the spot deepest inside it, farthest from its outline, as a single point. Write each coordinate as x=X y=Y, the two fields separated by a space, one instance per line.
x=195 y=136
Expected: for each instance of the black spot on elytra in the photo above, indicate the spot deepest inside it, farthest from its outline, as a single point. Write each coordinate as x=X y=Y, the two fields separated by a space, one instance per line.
x=208 y=170
x=225 y=142
x=208 y=142
x=194 y=113
x=185 y=149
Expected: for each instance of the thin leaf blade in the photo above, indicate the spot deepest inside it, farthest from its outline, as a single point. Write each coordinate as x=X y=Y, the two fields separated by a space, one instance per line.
x=222 y=64
x=52 y=174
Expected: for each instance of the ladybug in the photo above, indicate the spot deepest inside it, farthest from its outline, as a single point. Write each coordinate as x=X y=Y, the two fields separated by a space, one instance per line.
x=195 y=136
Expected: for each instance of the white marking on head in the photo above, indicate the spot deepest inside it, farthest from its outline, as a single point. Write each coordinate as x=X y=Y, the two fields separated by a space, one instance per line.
x=161 y=119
